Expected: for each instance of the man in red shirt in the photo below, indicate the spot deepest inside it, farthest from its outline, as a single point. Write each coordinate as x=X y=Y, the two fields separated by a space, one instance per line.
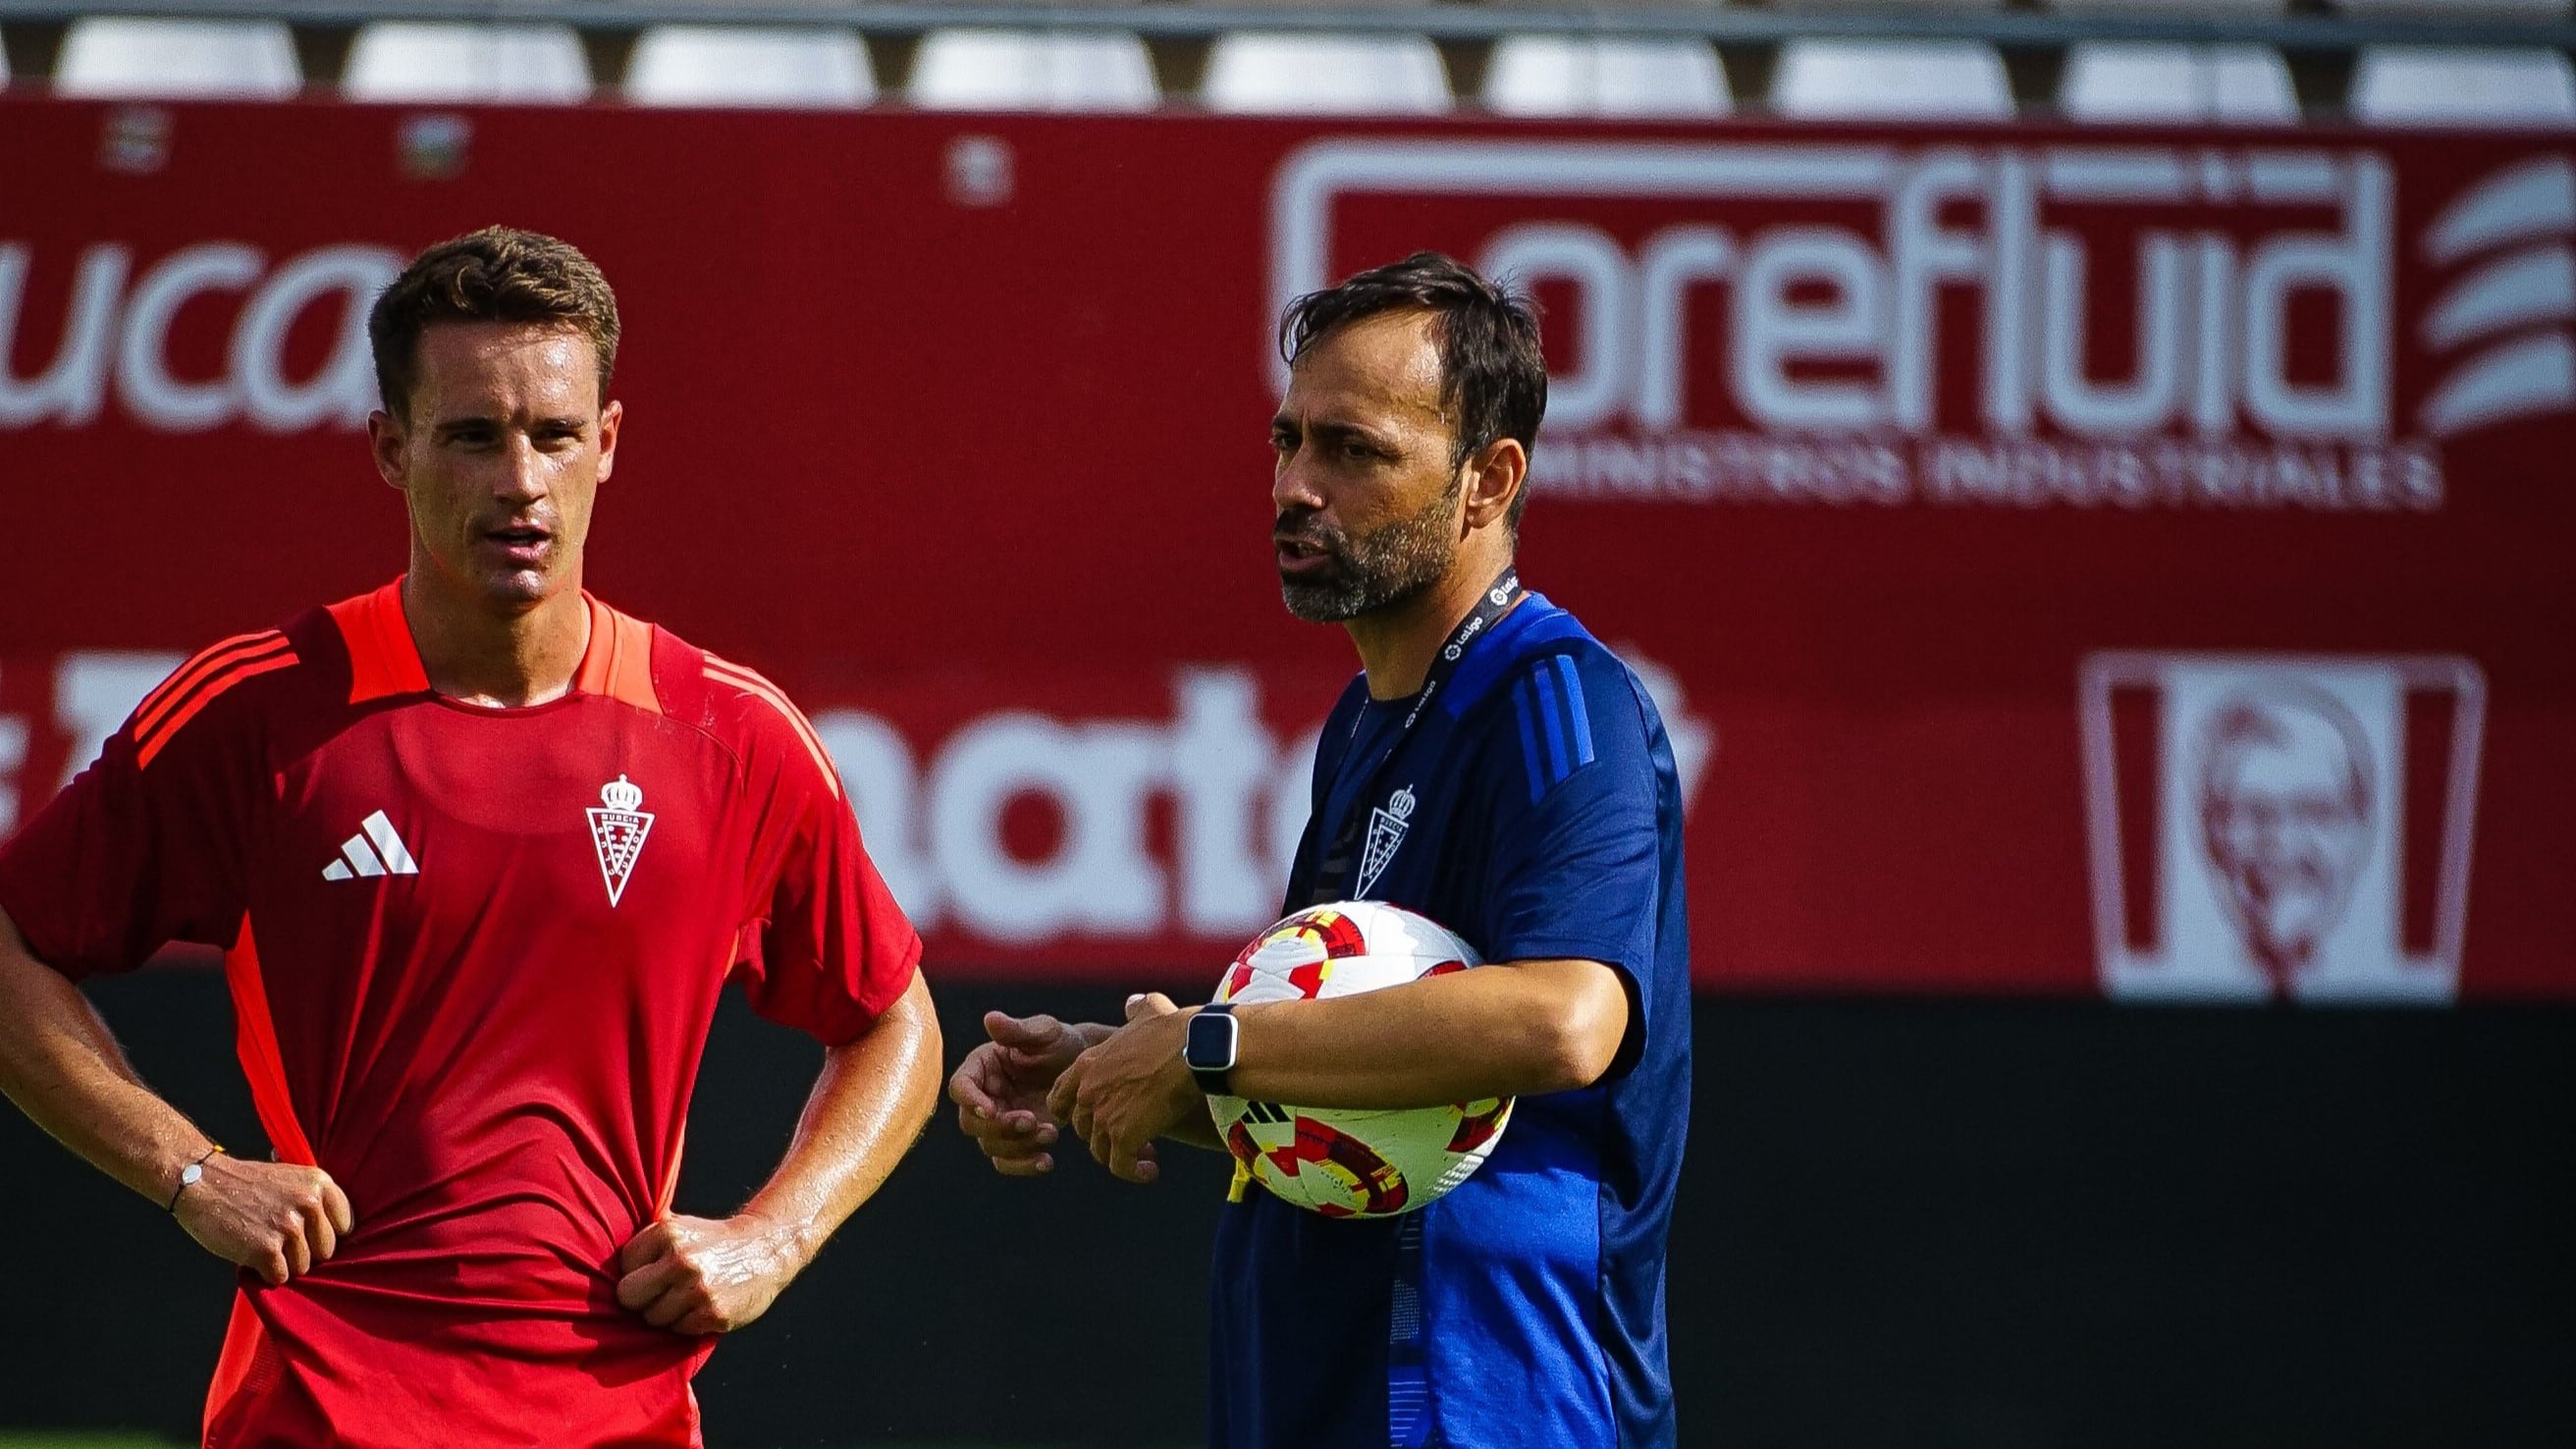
x=480 y=852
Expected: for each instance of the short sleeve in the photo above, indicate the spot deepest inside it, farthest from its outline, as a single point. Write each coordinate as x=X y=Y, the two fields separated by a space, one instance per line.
x=141 y=849
x=1577 y=863
x=830 y=950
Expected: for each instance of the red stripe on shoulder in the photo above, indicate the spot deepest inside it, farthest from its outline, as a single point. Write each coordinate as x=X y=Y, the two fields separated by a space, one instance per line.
x=724 y=671
x=199 y=666
x=151 y=740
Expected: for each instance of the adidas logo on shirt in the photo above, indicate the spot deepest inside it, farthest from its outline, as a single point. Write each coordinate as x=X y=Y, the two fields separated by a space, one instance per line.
x=374 y=850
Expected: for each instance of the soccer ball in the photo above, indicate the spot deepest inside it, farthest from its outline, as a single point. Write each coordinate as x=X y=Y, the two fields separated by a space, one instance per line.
x=1347 y=1163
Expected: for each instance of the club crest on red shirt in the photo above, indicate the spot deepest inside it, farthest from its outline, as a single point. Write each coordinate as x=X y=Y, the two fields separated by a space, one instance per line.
x=618 y=825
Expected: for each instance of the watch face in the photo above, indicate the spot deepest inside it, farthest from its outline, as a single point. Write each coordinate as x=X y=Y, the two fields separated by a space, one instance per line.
x=1210 y=1044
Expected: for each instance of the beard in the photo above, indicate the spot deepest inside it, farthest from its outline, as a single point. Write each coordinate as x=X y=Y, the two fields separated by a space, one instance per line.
x=1364 y=575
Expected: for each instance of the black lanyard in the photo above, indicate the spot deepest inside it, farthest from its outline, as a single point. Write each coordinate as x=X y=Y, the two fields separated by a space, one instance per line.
x=1491 y=606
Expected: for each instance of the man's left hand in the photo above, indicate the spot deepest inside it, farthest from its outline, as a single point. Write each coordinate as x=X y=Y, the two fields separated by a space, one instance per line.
x=698 y=1276
x=1122 y=1094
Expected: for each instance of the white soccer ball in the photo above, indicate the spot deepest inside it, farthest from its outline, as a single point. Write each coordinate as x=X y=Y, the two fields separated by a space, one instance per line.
x=1340 y=1162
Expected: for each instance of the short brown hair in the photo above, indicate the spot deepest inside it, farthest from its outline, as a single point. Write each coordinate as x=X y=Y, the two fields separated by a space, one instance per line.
x=498 y=274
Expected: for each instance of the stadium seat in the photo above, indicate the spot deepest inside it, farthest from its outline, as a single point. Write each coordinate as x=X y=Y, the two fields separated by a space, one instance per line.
x=408 y=60
x=1848 y=7
x=2232 y=9
x=1891 y=80
x=719 y=65
x=1032 y=70
x=2406 y=85
x=1325 y=73
x=2457 y=9
x=2122 y=81
x=121 y=56
x=1554 y=75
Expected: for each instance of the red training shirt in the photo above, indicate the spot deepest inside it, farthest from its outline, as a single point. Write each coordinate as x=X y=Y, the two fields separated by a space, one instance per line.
x=473 y=955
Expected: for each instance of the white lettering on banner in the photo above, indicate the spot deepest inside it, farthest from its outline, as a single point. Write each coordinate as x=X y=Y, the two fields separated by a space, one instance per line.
x=1222 y=761
x=936 y=831
x=1099 y=881
x=110 y=331
x=1831 y=344
x=142 y=372
x=74 y=385
x=1750 y=468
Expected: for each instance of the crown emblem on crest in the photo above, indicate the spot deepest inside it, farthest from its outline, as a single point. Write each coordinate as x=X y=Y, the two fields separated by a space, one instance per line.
x=618 y=826
x=1387 y=824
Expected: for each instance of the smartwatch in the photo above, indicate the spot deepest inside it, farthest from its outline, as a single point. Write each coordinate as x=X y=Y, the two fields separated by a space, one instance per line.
x=1209 y=1048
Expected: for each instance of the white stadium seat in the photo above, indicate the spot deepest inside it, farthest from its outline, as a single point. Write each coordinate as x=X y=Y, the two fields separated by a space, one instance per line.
x=120 y=56
x=729 y=65
x=2459 y=9
x=1849 y=7
x=405 y=60
x=2406 y=85
x=2168 y=9
x=1032 y=70
x=1555 y=75
x=2132 y=81
x=1277 y=73
x=1890 y=80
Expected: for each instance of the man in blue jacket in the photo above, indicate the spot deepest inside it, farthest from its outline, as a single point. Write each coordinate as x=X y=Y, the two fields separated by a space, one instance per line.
x=1497 y=769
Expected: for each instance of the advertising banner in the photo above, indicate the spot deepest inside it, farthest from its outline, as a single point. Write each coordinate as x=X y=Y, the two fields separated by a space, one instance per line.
x=2068 y=560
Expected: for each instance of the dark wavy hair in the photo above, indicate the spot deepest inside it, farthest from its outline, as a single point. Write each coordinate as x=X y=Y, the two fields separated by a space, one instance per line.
x=498 y=274
x=1493 y=381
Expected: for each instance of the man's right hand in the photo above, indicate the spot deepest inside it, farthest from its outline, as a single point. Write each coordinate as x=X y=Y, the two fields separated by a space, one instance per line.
x=275 y=1218
x=1001 y=1088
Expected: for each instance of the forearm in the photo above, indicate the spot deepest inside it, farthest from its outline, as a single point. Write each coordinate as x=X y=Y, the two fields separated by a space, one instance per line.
x=1515 y=1029
x=63 y=1069
x=867 y=1108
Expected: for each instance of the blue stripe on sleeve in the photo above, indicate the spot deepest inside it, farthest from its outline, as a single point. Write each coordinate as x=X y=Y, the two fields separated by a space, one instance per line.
x=1408 y=1406
x=1408 y=1376
x=1576 y=709
x=1529 y=739
x=1557 y=768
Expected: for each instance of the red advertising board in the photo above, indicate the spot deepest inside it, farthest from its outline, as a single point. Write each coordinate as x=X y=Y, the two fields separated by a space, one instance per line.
x=2070 y=560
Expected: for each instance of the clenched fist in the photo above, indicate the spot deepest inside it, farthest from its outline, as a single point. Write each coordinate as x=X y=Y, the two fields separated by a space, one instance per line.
x=699 y=1276
x=277 y=1219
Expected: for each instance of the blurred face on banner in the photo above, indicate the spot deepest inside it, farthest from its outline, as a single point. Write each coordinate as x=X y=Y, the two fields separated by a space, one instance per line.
x=499 y=453
x=2285 y=812
x=1367 y=486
